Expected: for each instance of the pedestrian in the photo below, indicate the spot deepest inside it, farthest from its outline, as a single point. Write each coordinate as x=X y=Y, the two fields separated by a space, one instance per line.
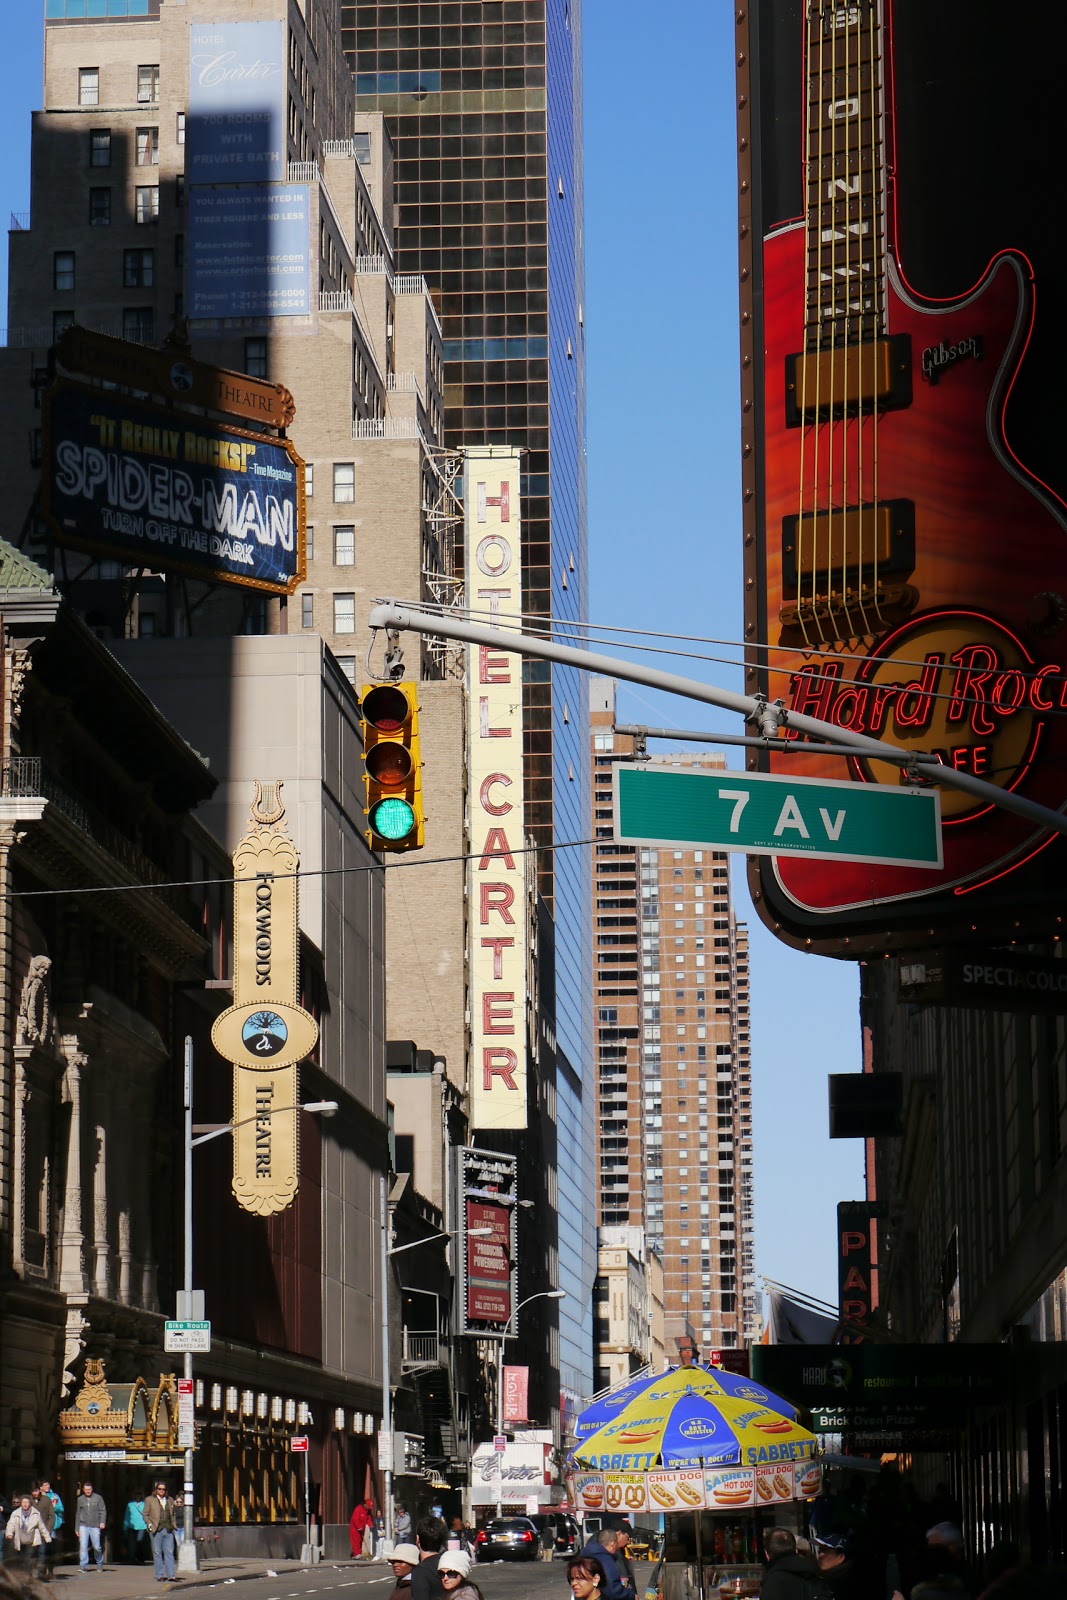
x=431 y=1536
x=837 y=1568
x=622 y=1556
x=30 y=1535
x=159 y=1520
x=402 y=1523
x=602 y=1547
x=379 y=1536
x=179 y=1518
x=944 y=1556
x=790 y=1574
x=135 y=1532
x=45 y=1506
x=90 y=1520
x=361 y=1519
x=547 y=1538
x=46 y=1488
x=587 y=1577
x=455 y=1572
x=404 y=1560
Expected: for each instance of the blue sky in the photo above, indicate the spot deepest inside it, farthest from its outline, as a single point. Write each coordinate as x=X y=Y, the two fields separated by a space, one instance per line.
x=665 y=540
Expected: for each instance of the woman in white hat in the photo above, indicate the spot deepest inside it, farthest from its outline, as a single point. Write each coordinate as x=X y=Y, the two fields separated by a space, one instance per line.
x=405 y=1558
x=454 y=1570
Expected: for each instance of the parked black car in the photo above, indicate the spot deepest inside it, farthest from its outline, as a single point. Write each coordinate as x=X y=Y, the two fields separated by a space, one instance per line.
x=507 y=1539
x=567 y=1534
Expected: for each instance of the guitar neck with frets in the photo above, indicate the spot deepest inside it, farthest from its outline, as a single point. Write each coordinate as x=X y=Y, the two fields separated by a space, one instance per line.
x=846 y=553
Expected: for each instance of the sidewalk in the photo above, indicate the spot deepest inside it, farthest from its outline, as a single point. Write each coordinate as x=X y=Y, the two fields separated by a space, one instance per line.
x=138 y=1583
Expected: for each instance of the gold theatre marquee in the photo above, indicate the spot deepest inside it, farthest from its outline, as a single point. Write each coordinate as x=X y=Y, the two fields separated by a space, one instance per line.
x=266 y=1032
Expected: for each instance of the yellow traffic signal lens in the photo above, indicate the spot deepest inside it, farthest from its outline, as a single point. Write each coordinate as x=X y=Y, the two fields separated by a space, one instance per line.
x=392 y=819
x=389 y=764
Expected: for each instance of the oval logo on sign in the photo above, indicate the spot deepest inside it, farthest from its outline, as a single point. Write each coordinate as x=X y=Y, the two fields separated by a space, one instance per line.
x=264 y=1034
x=267 y=1036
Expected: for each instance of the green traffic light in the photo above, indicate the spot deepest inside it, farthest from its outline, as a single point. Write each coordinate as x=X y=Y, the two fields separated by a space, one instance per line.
x=392 y=818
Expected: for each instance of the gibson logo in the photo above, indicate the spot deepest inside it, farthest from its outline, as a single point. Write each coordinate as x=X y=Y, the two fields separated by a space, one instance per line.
x=977 y=702
x=936 y=357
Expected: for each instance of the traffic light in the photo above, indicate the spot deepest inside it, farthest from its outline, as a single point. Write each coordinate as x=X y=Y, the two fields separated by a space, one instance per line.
x=392 y=766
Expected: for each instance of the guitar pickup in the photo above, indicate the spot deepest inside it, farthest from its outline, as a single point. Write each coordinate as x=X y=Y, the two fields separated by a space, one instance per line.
x=855 y=543
x=848 y=380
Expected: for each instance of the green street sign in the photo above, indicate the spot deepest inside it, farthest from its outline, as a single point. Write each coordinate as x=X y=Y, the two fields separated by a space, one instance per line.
x=766 y=815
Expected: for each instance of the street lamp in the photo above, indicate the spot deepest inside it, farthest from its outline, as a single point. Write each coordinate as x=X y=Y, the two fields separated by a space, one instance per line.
x=543 y=1294
x=387 y=1396
x=187 y=1555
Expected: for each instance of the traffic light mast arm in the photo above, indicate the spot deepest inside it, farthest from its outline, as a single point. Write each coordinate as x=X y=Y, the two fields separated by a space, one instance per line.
x=754 y=708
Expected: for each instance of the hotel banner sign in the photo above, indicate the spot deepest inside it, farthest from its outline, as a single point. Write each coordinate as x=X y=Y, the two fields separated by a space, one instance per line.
x=169 y=491
x=498 y=874
x=235 y=130
x=265 y=1033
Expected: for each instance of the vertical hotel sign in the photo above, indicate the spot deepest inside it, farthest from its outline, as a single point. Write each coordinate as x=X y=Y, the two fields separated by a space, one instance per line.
x=265 y=1033
x=497 y=916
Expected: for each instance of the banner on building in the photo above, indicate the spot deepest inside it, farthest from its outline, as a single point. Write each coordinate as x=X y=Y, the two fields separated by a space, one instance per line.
x=266 y=1032
x=521 y=1470
x=498 y=915
x=516 y=1392
x=993 y=980
x=235 y=122
x=161 y=489
x=249 y=251
x=487 y=1241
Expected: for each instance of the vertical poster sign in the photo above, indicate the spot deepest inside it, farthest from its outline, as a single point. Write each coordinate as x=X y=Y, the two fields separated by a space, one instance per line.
x=235 y=132
x=516 y=1392
x=265 y=1033
x=497 y=909
x=487 y=1240
x=855 y=1268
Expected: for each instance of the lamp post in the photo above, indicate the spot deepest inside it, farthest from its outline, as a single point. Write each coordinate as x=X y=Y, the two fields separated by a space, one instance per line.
x=387 y=1391
x=187 y=1554
x=543 y=1294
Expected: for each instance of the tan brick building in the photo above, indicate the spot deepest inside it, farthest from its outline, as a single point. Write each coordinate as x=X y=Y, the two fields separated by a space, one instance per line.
x=674 y=1108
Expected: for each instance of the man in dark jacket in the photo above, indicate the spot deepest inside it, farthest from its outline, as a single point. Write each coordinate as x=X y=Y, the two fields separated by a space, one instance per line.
x=789 y=1575
x=603 y=1546
x=431 y=1536
x=838 y=1569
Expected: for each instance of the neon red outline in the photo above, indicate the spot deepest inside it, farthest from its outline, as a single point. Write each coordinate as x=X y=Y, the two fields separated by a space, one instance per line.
x=969 y=888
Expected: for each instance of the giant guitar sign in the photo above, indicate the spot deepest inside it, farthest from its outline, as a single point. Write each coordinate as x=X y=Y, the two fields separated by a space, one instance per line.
x=906 y=572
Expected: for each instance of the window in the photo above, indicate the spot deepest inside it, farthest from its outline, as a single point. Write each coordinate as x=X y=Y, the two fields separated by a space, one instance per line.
x=361 y=147
x=89 y=86
x=61 y=320
x=256 y=358
x=179 y=189
x=100 y=147
x=179 y=132
x=307 y=610
x=63 y=269
x=309 y=543
x=344 y=481
x=148 y=85
x=138 y=324
x=147 y=147
x=344 y=547
x=347 y=665
x=99 y=207
x=309 y=478
x=138 y=269
x=147 y=204
x=344 y=613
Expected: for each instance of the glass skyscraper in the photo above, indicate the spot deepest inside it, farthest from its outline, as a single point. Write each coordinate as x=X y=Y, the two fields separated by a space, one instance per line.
x=484 y=102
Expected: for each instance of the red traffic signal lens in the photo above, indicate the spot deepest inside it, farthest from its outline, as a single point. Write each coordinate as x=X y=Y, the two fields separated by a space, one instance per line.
x=386 y=708
x=389 y=764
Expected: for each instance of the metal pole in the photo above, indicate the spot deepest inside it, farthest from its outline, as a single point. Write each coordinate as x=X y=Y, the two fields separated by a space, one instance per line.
x=307 y=1502
x=187 y=1556
x=769 y=718
x=387 y=1399
x=500 y=1421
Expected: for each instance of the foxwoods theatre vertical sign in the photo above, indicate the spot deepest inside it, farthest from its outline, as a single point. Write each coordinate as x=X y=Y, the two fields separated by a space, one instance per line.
x=265 y=1033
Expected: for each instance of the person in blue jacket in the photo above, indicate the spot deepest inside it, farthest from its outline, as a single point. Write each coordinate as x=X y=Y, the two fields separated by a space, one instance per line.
x=602 y=1546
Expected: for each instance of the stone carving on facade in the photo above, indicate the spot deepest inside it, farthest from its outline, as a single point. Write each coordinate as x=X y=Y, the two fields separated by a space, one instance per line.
x=73 y=1341
x=17 y=670
x=33 y=1024
x=101 y=1245
x=268 y=806
x=72 y=1242
x=22 y=1097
